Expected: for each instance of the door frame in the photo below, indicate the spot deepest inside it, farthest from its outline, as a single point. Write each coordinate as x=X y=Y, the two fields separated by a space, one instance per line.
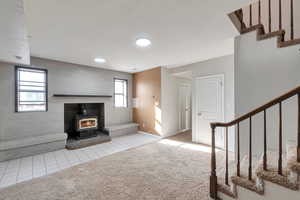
x=179 y=109
x=222 y=76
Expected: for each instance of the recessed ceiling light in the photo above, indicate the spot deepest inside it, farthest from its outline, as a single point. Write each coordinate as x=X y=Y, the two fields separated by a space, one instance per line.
x=100 y=60
x=143 y=42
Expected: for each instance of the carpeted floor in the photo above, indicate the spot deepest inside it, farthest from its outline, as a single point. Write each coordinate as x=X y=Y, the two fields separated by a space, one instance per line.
x=183 y=137
x=163 y=170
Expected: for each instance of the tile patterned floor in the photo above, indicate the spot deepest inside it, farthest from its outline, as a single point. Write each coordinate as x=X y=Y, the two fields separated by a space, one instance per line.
x=23 y=169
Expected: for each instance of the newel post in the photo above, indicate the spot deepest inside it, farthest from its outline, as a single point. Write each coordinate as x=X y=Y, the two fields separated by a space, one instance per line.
x=213 y=175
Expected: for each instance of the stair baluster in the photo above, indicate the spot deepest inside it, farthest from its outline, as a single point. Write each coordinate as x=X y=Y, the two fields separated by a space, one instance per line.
x=238 y=173
x=292 y=19
x=280 y=140
x=270 y=16
x=265 y=140
x=259 y=12
x=250 y=150
x=298 y=145
x=280 y=14
x=250 y=15
x=226 y=173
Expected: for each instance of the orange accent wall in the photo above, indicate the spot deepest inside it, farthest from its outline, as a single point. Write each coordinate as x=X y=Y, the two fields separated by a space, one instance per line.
x=147 y=92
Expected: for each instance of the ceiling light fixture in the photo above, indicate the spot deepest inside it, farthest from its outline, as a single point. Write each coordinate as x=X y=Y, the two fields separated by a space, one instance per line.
x=100 y=60
x=143 y=42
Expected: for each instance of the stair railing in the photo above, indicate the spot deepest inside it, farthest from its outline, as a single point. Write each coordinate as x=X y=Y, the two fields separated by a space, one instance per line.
x=239 y=18
x=262 y=109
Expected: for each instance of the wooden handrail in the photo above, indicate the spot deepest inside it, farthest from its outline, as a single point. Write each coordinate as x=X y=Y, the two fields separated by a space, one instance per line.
x=260 y=109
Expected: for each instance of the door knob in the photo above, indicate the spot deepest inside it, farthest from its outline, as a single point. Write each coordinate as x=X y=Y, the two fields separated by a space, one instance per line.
x=199 y=114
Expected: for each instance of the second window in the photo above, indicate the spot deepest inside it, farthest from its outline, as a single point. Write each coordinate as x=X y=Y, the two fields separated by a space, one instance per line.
x=120 y=94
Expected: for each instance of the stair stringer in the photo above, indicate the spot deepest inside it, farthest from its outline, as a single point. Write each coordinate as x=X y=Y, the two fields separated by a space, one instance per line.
x=262 y=35
x=267 y=185
x=271 y=192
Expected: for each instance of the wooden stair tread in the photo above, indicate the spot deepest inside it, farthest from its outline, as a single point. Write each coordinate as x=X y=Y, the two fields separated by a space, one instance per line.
x=280 y=33
x=252 y=28
x=290 y=43
x=272 y=175
x=245 y=183
x=293 y=165
x=226 y=190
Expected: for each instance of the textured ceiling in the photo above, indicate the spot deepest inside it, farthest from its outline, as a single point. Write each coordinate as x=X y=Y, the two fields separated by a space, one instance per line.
x=182 y=31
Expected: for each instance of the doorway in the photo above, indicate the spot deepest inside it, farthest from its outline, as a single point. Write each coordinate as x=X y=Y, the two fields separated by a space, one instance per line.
x=184 y=107
x=209 y=107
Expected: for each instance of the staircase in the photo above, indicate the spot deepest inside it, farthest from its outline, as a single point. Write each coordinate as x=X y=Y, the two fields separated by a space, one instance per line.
x=270 y=18
x=257 y=174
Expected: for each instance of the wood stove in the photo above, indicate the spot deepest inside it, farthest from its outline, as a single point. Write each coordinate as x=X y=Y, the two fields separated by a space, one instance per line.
x=84 y=123
x=84 y=120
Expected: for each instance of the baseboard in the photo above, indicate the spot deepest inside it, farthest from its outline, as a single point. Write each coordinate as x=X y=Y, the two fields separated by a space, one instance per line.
x=175 y=133
x=146 y=133
x=184 y=130
x=165 y=136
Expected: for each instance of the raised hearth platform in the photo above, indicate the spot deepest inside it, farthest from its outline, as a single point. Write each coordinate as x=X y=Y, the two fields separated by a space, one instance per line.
x=73 y=144
x=29 y=146
x=122 y=129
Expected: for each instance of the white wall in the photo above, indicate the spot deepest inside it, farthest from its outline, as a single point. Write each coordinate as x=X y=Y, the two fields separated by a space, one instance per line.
x=170 y=102
x=223 y=65
x=263 y=72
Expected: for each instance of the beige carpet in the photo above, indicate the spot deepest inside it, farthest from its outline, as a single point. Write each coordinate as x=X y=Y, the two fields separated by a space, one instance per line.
x=162 y=170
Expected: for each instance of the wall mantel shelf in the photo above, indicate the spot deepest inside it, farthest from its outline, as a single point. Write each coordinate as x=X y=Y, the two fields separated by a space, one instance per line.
x=81 y=95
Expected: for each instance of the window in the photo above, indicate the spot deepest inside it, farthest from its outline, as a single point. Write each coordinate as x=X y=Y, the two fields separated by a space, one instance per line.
x=31 y=89
x=120 y=93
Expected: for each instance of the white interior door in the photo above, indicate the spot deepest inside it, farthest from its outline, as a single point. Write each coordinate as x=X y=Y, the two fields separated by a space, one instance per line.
x=209 y=108
x=184 y=107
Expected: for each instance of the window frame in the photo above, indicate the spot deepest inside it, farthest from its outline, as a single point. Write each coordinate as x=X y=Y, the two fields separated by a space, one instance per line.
x=126 y=95
x=17 y=67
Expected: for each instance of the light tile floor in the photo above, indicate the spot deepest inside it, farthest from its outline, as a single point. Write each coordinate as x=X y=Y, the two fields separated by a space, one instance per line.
x=23 y=169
